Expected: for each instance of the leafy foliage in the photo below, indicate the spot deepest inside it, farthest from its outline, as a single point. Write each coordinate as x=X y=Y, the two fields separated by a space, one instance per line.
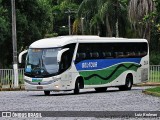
x=104 y=16
x=38 y=19
x=61 y=10
x=141 y=14
x=34 y=20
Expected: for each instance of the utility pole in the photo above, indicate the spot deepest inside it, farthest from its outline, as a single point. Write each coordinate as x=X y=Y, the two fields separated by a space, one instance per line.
x=69 y=12
x=82 y=19
x=69 y=22
x=14 y=43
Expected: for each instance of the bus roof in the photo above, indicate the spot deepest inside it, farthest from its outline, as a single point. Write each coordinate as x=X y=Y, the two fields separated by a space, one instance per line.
x=64 y=40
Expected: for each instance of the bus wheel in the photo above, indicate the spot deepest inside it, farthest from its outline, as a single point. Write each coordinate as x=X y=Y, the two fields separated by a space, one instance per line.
x=128 y=84
x=103 y=89
x=47 y=93
x=77 y=87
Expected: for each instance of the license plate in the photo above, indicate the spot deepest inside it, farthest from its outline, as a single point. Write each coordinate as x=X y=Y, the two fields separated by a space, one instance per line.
x=36 y=79
x=39 y=87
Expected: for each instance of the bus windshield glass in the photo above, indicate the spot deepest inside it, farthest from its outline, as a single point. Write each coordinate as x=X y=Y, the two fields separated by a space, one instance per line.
x=42 y=62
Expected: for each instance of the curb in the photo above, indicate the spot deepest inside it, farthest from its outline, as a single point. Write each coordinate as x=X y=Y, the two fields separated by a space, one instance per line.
x=12 y=89
x=151 y=93
x=148 y=84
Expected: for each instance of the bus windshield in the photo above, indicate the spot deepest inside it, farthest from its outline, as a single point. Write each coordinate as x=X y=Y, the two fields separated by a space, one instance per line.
x=42 y=62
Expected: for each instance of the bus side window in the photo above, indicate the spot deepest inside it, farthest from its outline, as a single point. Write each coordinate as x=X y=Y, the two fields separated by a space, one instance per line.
x=107 y=55
x=143 y=53
x=127 y=54
x=94 y=55
x=80 y=57
x=132 y=54
x=116 y=54
x=120 y=55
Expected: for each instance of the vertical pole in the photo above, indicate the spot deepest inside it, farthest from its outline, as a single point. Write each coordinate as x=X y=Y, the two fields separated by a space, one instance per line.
x=69 y=23
x=117 y=28
x=14 y=42
x=82 y=25
x=117 y=17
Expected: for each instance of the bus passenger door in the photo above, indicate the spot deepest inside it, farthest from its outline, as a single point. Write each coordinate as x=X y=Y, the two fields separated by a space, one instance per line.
x=65 y=65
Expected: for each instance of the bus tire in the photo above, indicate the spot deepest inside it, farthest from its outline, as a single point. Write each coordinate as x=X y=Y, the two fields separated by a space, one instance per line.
x=77 y=87
x=128 y=83
x=47 y=93
x=102 y=89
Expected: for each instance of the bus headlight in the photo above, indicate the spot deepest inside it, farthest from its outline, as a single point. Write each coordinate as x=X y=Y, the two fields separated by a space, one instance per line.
x=57 y=86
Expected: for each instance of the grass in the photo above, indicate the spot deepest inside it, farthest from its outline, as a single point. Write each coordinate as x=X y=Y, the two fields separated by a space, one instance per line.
x=153 y=91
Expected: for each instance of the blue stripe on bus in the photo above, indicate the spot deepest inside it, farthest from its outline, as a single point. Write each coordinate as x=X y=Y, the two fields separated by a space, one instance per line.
x=103 y=63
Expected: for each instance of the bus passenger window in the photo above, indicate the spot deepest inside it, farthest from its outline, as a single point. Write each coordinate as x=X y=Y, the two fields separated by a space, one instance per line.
x=120 y=55
x=94 y=55
x=80 y=57
x=137 y=53
x=116 y=54
x=107 y=54
x=132 y=54
x=143 y=53
x=127 y=54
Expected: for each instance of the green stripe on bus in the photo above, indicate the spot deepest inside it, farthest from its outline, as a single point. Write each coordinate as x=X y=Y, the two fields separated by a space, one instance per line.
x=107 y=75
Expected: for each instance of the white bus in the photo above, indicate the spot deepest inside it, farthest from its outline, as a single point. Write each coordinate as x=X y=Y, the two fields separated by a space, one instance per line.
x=77 y=62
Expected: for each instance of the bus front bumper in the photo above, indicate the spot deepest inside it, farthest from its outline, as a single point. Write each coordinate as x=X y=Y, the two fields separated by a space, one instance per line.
x=44 y=86
x=50 y=87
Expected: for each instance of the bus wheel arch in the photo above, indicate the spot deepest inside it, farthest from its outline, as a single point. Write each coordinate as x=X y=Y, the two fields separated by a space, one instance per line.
x=130 y=78
x=128 y=82
x=79 y=84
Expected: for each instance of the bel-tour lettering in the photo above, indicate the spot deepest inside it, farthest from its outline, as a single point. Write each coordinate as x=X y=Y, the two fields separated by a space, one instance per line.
x=89 y=65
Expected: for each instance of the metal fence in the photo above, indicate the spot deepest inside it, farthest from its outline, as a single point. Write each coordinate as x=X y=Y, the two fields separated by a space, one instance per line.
x=7 y=76
x=154 y=73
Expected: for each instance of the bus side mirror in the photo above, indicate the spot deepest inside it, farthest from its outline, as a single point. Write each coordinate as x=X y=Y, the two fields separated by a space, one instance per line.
x=20 y=55
x=60 y=54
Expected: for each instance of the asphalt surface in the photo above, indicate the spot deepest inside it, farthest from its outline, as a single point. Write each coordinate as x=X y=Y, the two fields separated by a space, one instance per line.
x=87 y=100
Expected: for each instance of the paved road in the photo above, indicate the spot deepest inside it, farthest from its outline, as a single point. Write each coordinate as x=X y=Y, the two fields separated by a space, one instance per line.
x=88 y=100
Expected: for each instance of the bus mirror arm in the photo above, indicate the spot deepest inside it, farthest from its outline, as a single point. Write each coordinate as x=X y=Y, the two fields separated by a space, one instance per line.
x=60 y=54
x=20 y=55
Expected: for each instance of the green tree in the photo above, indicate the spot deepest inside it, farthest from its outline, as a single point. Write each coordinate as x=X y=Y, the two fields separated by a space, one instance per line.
x=5 y=34
x=155 y=33
x=34 y=20
x=141 y=15
x=103 y=16
x=60 y=12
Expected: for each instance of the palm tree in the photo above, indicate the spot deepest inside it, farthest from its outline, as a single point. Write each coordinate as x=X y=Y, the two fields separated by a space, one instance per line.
x=138 y=11
x=89 y=11
x=101 y=13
